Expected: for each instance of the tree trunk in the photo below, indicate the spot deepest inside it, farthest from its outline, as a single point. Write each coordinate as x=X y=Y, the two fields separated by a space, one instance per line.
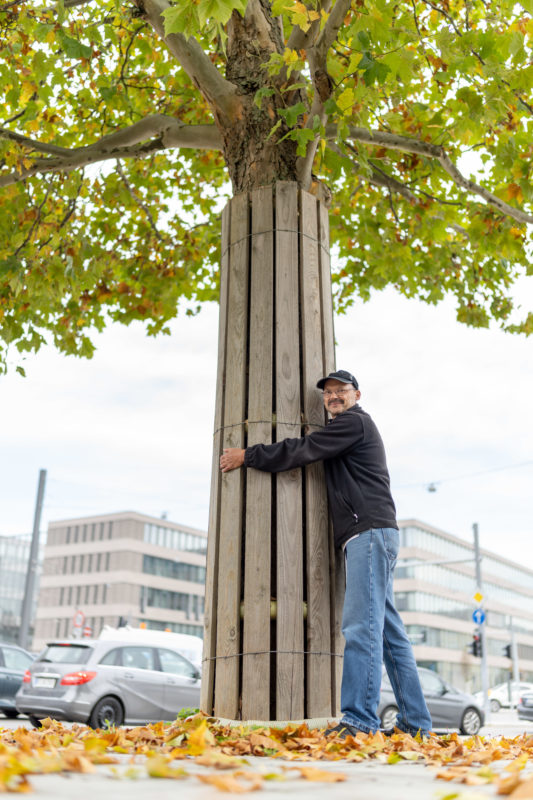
x=272 y=645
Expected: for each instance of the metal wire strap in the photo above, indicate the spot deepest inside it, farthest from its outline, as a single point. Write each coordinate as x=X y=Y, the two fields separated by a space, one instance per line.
x=276 y=230
x=268 y=422
x=283 y=652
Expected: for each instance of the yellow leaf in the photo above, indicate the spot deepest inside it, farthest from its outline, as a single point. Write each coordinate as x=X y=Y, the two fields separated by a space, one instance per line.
x=518 y=764
x=524 y=791
x=322 y=775
x=200 y=738
x=231 y=783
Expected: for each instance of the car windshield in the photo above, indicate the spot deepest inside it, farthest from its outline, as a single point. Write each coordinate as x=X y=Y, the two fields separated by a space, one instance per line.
x=66 y=653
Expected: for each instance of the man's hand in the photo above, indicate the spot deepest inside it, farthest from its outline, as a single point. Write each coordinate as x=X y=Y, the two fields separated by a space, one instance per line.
x=232 y=458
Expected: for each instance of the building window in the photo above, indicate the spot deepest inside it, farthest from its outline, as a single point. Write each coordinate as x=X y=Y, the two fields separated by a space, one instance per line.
x=163 y=598
x=168 y=568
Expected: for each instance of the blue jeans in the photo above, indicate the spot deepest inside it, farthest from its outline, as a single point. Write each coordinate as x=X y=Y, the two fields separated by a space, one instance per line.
x=374 y=634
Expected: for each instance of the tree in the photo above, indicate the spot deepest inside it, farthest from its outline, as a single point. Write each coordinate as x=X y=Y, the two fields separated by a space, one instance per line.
x=116 y=113
x=121 y=129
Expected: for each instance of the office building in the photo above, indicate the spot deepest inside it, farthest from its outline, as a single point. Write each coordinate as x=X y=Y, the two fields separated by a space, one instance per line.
x=138 y=569
x=436 y=601
x=121 y=568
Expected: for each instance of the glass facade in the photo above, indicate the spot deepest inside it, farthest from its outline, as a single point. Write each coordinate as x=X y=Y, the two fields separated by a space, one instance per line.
x=177 y=601
x=164 y=536
x=14 y=555
x=178 y=570
x=514 y=606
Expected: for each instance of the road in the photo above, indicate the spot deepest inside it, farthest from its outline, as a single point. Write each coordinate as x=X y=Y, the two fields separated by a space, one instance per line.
x=370 y=780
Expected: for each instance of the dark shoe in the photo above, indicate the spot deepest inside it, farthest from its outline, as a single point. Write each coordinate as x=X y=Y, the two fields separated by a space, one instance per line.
x=341 y=731
x=392 y=731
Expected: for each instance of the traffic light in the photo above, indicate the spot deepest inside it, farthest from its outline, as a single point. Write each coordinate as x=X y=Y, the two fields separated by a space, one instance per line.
x=507 y=651
x=475 y=647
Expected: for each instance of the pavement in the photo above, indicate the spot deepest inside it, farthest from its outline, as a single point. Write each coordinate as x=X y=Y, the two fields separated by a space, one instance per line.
x=280 y=779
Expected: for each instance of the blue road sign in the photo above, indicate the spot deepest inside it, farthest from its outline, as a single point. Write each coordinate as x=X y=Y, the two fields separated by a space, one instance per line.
x=478 y=616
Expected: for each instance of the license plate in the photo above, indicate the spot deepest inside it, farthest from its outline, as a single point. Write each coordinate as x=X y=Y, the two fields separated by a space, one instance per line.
x=44 y=683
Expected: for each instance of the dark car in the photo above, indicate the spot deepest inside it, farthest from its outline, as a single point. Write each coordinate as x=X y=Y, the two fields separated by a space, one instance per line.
x=525 y=706
x=449 y=708
x=108 y=682
x=14 y=661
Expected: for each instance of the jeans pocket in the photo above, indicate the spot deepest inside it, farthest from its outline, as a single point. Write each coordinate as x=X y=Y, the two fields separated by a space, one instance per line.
x=391 y=542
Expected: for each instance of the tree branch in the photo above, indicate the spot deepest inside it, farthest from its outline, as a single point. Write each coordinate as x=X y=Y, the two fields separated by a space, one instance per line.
x=140 y=202
x=31 y=144
x=301 y=40
x=331 y=30
x=220 y=93
x=128 y=143
x=404 y=144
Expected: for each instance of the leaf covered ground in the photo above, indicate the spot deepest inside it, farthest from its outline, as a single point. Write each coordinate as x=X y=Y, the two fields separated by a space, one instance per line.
x=164 y=750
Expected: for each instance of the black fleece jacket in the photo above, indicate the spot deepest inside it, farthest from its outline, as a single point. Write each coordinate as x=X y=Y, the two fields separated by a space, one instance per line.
x=356 y=470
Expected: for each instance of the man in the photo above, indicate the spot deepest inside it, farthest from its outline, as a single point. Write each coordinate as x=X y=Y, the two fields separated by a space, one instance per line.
x=364 y=523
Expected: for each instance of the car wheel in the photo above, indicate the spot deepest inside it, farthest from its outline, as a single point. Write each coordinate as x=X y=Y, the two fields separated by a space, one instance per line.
x=471 y=722
x=10 y=713
x=495 y=705
x=35 y=721
x=107 y=712
x=388 y=717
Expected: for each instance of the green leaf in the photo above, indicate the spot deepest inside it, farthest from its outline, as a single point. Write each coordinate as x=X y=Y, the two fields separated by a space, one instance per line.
x=291 y=114
x=181 y=18
x=72 y=47
x=219 y=10
x=377 y=72
x=265 y=91
x=346 y=100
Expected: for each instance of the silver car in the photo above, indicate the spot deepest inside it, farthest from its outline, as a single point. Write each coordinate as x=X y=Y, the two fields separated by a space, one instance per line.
x=105 y=682
x=449 y=707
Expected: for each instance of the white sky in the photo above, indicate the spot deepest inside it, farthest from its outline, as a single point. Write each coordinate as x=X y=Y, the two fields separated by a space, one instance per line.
x=131 y=429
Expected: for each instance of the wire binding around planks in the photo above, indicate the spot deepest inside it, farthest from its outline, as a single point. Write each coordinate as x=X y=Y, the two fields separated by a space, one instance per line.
x=281 y=652
x=276 y=230
x=269 y=422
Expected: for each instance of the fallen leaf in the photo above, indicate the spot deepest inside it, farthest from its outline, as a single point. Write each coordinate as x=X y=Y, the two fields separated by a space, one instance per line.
x=325 y=776
x=235 y=782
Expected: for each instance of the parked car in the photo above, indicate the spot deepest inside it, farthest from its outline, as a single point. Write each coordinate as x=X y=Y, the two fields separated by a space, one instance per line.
x=106 y=682
x=499 y=694
x=14 y=661
x=189 y=646
x=449 y=708
x=525 y=706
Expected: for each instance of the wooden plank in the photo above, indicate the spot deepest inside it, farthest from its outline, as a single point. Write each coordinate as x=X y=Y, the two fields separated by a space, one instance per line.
x=210 y=614
x=316 y=508
x=336 y=557
x=289 y=568
x=232 y=483
x=257 y=561
x=338 y=586
x=325 y=287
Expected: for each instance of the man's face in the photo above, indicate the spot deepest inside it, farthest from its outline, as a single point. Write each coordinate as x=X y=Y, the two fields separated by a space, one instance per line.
x=339 y=396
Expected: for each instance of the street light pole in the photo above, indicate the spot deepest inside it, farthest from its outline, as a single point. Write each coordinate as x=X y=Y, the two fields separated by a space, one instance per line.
x=484 y=662
x=31 y=572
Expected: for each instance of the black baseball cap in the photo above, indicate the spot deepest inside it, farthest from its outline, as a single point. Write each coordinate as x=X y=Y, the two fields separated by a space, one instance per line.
x=340 y=375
